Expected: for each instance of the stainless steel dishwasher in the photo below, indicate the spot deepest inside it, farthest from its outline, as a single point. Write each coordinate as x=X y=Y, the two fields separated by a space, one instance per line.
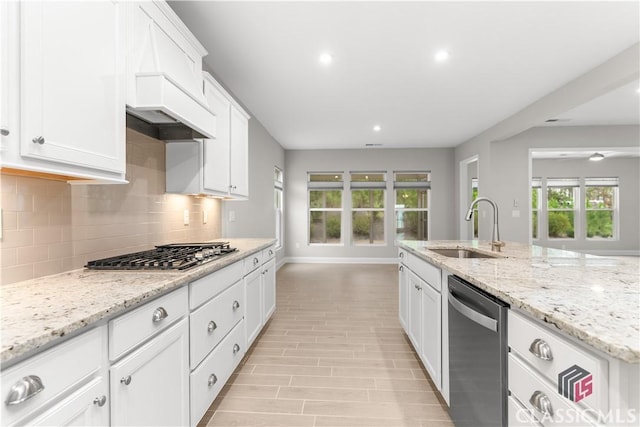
x=477 y=356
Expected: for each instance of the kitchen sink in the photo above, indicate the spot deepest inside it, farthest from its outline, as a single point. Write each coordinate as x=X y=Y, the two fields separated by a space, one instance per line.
x=462 y=253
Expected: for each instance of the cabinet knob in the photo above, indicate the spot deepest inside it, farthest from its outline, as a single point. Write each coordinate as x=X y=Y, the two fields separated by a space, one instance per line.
x=236 y=305
x=212 y=380
x=211 y=326
x=125 y=380
x=541 y=403
x=38 y=140
x=236 y=348
x=159 y=314
x=401 y=268
x=4 y=132
x=100 y=401
x=541 y=349
x=255 y=261
x=24 y=389
x=401 y=254
x=270 y=252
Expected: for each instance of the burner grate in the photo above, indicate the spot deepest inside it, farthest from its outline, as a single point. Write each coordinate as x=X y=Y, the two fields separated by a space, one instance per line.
x=175 y=256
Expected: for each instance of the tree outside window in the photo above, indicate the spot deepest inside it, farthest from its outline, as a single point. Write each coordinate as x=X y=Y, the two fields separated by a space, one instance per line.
x=412 y=205
x=325 y=208
x=368 y=204
x=536 y=189
x=600 y=207
x=561 y=204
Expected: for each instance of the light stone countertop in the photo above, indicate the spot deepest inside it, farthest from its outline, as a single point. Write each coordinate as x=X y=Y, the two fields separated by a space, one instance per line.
x=37 y=313
x=592 y=298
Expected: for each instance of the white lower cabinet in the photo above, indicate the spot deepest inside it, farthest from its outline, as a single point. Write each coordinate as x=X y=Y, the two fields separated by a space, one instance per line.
x=403 y=297
x=253 y=301
x=208 y=379
x=66 y=381
x=431 y=334
x=150 y=386
x=260 y=291
x=269 y=289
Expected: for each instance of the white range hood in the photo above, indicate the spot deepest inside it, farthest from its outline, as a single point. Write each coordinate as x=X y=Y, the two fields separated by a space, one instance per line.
x=164 y=75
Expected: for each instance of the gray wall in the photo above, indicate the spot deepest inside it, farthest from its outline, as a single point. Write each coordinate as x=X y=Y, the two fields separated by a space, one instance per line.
x=256 y=217
x=298 y=162
x=505 y=171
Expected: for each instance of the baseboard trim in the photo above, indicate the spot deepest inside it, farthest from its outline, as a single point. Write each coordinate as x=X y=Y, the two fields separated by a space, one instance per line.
x=613 y=252
x=338 y=260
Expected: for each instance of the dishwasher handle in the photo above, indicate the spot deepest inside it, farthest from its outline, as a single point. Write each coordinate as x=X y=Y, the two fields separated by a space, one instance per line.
x=480 y=319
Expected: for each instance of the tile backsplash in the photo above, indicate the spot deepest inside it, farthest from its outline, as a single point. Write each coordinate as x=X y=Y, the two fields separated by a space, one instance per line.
x=50 y=226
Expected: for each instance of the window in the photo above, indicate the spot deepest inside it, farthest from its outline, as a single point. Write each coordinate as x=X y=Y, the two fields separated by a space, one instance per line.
x=536 y=187
x=367 y=207
x=474 y=195
x=278 y=185
x=412 y=205
x=600 y=204
x=325 y=207
x=561 y=205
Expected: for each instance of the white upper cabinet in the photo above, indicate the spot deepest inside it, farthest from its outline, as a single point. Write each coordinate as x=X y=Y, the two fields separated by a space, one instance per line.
x=63 y=70
x=215 y=167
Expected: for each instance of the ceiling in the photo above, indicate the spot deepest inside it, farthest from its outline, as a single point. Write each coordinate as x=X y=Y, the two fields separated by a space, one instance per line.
x=503 y=57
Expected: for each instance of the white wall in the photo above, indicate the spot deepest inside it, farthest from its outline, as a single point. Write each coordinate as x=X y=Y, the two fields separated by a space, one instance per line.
x=256 y=217
x=298 y=162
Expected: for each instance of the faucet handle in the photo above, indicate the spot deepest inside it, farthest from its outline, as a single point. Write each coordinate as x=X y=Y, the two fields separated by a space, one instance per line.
x=496 y=245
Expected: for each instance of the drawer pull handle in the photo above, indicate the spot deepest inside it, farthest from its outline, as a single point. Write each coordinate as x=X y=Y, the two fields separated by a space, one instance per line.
x=24 y=389
x=212 y=380
x=541 y=403
x=401 y=254
x=159 y=314
x=256 y=261
x=236 y=305
x=212 y=326
x=125 y=380
x=401 y=268
x=4 y=132
x=541 y=349
x=100 y=401
x=270 y=252
x=38 y=140
x=236 y=348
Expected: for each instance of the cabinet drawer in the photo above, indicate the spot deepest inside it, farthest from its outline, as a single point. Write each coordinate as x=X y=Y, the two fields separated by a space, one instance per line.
x=519 y=416
x=426 y=271
x=522 y=333
x=207 y=381
x=252 y=262
x=205 y=288
x=211 y=322
x=524 y=384
x=61 y=369
x=131 y=329
x=268 y=253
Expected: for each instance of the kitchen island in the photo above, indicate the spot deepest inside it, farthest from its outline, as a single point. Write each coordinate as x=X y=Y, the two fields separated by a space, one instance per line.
x=572 y=350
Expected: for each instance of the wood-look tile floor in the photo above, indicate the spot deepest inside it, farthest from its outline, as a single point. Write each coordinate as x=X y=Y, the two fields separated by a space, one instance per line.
x=333 y=354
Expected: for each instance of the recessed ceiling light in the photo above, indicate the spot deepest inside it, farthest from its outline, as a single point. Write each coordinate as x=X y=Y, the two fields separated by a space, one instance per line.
x=596 y=157
x=325 y=58
x=441 y=56
x=377 y=128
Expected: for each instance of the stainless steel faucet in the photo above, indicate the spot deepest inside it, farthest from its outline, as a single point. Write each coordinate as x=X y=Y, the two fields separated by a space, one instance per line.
x=496 y=244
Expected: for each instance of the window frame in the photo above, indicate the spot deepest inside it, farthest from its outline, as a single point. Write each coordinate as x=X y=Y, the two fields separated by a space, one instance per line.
x=278 y=186
x=329 y=185
x=367 y=185
x=574 y=184
x=610 y=182
x=412 y=185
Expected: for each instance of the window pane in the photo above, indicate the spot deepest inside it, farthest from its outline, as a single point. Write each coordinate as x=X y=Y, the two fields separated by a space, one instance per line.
x=367 y=199
x=560 y=224
x=368 y=227
x=599 y=198
x=331 y=199
x=412 y=199
x=324 y=227
x=367 y=177
x=534 y=224
x=560 y=198
x=411 y=225
x=600 y=224
x=325 y=177
x=535 y=197
x=412 y=177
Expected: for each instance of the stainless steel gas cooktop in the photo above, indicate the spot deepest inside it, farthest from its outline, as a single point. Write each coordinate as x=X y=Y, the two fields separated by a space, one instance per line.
x=175 y=256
